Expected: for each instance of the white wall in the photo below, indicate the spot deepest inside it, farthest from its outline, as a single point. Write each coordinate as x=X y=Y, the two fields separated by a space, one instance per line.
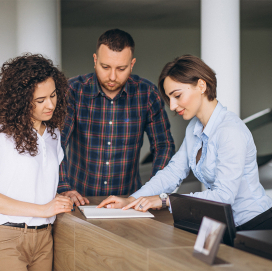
x=8 y=42
x=25 y=29
x=38 y=28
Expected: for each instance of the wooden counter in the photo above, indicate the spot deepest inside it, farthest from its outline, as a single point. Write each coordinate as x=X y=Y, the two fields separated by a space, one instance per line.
x=135 y=244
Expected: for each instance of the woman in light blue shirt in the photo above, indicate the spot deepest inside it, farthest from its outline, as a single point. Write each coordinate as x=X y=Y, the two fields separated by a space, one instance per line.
x=218 y=148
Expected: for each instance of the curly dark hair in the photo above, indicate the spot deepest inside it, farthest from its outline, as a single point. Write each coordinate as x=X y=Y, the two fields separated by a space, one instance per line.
x=18 y=79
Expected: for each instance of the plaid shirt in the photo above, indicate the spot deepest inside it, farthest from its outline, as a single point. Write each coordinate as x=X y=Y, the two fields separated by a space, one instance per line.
x=105 y=136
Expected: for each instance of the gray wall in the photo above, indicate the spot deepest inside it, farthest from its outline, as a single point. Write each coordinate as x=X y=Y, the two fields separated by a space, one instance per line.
x=256 y=81
x=155 y=47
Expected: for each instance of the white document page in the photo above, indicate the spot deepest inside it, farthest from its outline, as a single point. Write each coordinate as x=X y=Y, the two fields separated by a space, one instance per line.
x=90 y=211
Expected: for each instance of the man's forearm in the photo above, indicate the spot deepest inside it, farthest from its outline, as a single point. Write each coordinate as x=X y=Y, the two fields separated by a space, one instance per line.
x=162 y=155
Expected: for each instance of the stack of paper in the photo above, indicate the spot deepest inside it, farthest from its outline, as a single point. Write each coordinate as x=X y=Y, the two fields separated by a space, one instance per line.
x=90 y=211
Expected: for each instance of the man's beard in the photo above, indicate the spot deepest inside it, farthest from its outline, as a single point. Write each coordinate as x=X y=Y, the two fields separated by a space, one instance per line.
x=117 y=87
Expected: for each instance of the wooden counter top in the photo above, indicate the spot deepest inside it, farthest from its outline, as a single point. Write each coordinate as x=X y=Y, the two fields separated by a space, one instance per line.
x=135 y=244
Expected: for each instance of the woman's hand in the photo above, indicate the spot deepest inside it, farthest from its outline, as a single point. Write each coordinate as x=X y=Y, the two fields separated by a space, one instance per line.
x=115 y=202
x=60 y=204
x=144 y=203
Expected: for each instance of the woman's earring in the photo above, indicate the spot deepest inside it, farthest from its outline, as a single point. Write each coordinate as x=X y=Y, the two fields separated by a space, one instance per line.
x=202 y=92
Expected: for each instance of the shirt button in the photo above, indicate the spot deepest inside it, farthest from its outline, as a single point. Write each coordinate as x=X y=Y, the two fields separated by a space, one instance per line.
x=105 y=182
x=110 y=122
x=109 y=143
x=111 y=102
x=107 y=163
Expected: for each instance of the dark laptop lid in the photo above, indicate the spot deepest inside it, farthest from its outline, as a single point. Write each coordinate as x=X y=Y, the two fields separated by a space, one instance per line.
x=188 y=213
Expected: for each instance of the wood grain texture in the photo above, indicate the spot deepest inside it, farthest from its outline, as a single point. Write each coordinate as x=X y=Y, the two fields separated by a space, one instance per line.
x=63 y=233
x=163 y=216
x=145 y=232
x=95 y=252
x=135 y=244
x=183 y=259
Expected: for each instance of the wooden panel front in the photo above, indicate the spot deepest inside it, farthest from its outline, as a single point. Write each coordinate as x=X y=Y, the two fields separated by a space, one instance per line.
x=64 y=252
x=95 y=252
x=135 y=244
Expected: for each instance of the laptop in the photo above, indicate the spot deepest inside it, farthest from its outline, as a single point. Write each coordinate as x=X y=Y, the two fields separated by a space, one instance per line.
x=258 y=242
x=188 y=213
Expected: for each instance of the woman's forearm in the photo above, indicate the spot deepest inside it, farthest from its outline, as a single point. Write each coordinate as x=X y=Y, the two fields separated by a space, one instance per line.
x=12 y=207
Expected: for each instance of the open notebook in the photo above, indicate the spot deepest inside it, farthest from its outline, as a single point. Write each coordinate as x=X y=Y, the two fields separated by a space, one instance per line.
x=90 y=211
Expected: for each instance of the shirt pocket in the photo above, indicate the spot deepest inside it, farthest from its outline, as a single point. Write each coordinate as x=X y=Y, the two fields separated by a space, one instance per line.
x=83 y=119
x=133 y=130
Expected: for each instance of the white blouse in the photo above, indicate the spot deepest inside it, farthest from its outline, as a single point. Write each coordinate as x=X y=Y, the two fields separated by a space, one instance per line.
x=32 y=179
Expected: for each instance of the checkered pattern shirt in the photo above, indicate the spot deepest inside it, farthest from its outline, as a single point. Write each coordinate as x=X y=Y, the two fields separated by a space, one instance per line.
x=105 y=136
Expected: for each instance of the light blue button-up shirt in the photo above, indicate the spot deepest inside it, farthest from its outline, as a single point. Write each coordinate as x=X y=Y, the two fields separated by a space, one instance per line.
x=227 y=167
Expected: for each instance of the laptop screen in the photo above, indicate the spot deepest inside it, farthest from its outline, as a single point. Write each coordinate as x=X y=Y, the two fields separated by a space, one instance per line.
x=188 y=213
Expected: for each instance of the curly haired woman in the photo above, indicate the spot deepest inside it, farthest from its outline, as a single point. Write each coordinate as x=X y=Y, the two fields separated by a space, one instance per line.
x=33 y=107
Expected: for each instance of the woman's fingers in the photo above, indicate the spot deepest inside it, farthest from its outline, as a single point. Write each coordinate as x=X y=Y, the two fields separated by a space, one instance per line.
x=144 y=203
x=132 y=204
x=65 y=208
x=64 y=204
x=60 y=204
x=115 y=202
x=107 y=201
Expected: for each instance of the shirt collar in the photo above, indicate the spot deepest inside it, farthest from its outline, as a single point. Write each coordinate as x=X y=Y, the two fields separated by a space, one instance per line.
x=96 y=87
x=207 y=131
x=45 y=133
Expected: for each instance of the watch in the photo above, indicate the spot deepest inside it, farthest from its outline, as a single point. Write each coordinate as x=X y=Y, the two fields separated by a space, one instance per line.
x=163 y=197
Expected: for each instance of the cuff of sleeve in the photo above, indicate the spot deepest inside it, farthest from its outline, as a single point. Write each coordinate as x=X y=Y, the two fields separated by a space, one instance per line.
x=134 y=196
x=63 y=188
x=170 y=207
x=138 y=194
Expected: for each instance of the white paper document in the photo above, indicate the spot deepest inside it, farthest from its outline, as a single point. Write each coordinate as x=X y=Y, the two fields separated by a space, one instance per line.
x=90 y=211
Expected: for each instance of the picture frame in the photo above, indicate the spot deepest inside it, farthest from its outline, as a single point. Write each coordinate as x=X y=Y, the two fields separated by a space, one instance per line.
x=208 y=240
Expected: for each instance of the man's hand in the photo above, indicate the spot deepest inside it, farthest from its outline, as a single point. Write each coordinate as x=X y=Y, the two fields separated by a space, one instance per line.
x=75 y=197
x=115 y=202
x=144 y=203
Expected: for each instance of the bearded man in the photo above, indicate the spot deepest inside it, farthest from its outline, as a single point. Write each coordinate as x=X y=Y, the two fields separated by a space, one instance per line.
x=108 y=113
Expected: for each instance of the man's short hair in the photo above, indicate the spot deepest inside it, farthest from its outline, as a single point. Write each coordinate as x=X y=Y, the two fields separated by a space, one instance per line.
x=116 y=40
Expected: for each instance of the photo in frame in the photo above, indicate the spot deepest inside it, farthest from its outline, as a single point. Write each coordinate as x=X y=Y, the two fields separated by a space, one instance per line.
x=208 y=239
